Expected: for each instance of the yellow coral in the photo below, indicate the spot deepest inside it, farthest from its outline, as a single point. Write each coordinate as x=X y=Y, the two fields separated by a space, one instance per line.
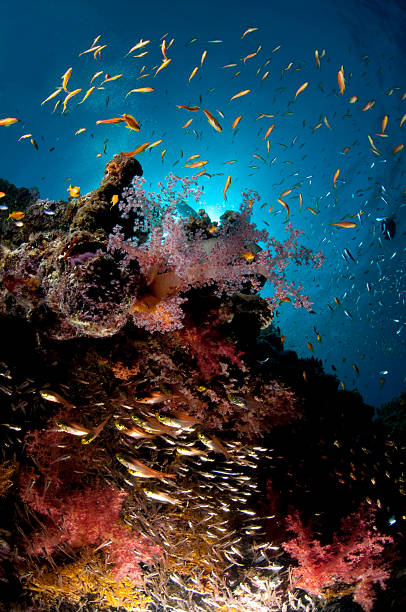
x=87 y=577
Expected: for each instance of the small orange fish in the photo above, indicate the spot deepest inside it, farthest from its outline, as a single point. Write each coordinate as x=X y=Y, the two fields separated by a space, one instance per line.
x=162 y=155
x=131 y=122
x=300 y=200
x=240 y=94
x=87 y=94
x=193 y=73
x=327 y=123
x=187 y=123
x=336 y=174
x=69 y=96
x=163 y=65
x=65 y=78
x=95 y=76
x=301 y=88
x=355 y=368
x=285 y=206
x=269 y=130
x=226 y=186
x=310 y=346
x=353 y=99
x=264 y=76
x=285 y=193
x=402 y=120
x=111 y=78
x=337 y=301
x=55 y=93
x=114 y=200
x=203 y=57
x=283 y=338
x=114 y=120
x=197 y=164
x=341 y=80
x=189 y=108
x=16 y=215
x=248 y=31
x=384 y=124
x=397 y=149
x=236 y=121
x=34 y=144
x=345 y=224
x=139 y=45
x=154 y=144
x=368 y=105
x=8 y=121
x=345 y=150
x=140 y=90
x=139 y=149
x=316 y=57
x=212 y=120
x=314 y=212
x=2 y=194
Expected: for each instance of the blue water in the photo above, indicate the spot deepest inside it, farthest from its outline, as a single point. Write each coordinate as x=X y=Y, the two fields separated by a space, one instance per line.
x=41 y=40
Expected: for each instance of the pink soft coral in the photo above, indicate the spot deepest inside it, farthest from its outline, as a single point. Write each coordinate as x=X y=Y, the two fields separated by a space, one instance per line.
x=173 y=261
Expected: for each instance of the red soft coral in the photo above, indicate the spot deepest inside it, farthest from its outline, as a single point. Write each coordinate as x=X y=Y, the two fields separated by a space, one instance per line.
x=351 y=559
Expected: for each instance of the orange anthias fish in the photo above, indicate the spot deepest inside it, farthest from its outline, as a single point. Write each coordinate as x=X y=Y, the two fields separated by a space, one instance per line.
x=197 y=164
x=139 y=149
x=189 y=108
x=226 y=186
x=341 y=80
x=65 y=78
x=69 y=96
x=335 y=177
x=193 y=73
x=236 y=121
x=212 y=120
x=345 y=224
x=87 y=94
x=269 y=130
x=240 y=94
x=114 y=120
x=397 y=149
x=248 y=32
x=368 y=105
x=140 y=90
x=8 y=121
x=301 y=88
x=131 y=122
x=286 y=207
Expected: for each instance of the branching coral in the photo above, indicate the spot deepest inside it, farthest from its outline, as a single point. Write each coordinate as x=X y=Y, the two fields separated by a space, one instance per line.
x=351 y=560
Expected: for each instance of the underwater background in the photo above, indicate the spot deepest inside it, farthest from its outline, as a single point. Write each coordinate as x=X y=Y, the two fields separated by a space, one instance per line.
x=41 y=40
x=186 y=424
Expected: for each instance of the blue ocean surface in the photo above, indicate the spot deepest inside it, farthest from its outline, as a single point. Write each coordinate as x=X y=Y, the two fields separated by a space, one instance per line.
x=269 y=49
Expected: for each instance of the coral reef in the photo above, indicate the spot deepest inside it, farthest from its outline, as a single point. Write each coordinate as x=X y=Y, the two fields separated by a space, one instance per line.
x=156 y=437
